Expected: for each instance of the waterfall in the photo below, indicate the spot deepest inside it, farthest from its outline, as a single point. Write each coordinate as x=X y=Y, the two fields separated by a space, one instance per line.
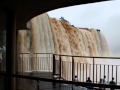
x=49 y=35
x=23 y=43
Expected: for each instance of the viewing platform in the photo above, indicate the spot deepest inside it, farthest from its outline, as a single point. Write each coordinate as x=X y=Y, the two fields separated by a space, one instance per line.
x=64 y=68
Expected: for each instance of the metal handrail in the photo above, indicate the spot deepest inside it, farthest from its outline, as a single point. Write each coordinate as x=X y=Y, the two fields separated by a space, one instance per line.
x=84 y=84
x=88 y=56
x=76 y=55
x=35 y=53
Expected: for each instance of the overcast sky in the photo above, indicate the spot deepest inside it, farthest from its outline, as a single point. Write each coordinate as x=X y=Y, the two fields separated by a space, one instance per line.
x=103 y=15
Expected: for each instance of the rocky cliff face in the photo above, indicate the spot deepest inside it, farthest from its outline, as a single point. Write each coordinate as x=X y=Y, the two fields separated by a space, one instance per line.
x=49 y=35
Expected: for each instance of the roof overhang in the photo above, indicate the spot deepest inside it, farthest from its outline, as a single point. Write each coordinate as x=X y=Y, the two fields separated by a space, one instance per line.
x=27 y=9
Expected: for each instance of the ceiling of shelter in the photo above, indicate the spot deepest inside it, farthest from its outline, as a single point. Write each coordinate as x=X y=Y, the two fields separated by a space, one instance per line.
x=27 y=9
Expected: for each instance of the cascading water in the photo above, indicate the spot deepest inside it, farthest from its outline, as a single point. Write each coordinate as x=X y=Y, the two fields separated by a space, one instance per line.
x=23 y=43
x=49 y=35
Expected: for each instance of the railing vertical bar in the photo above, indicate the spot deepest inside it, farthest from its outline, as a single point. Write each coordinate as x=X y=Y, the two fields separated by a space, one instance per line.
x=44 y=61
x=42 y=64
x=116 y=74
x=22 y=63
x=54 y=64
x=93 y=69
x=67 y=73
x=31 y=61
x=112 y=70
x=48 y=62
x=104 y=70
x=108 y=72
x=80 y=71
x=22 y=71
x=77 y=69
x=60 y=65
x=51 y=60
x=100 y=71
x=83 y=72
x=86 y=72
x=72 y=68
x=28 y=64
x=96 y=73
x=26 y=61
x=36 y=62
x=39 y=64
x=90 y=70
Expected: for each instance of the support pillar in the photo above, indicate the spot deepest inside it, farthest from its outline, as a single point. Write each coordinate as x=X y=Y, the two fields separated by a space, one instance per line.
x=10 y=50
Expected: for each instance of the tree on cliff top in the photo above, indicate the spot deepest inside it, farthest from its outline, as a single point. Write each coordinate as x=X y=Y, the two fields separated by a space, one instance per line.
x=63 y=20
